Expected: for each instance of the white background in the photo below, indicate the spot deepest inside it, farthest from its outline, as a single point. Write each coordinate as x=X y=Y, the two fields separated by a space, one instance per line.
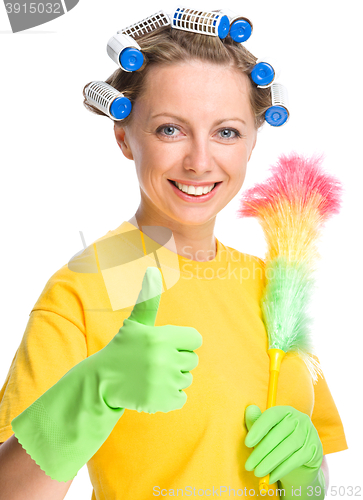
x=62 y=171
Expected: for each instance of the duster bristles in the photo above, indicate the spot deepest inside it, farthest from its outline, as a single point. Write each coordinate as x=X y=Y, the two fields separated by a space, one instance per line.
x=292 y=206
x=298 y=180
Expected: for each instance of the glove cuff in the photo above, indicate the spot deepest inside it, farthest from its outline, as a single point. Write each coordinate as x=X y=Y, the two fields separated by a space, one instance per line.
x=66 y=426
x=311 y=486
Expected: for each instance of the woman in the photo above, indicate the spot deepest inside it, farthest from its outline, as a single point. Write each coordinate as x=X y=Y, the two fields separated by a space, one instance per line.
x=188 y=433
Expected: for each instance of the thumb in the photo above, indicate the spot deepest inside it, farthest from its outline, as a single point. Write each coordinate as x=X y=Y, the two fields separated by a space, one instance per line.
x=252 y=413
x=147 y=304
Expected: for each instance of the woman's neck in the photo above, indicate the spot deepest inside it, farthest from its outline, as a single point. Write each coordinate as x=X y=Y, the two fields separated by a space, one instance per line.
x=191 y=242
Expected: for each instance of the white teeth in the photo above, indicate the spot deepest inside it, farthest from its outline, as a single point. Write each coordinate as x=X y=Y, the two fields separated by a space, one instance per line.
x=193 y=190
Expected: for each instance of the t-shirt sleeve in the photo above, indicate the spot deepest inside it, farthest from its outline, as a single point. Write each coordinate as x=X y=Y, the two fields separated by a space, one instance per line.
x=326 y=419
x=53 y=342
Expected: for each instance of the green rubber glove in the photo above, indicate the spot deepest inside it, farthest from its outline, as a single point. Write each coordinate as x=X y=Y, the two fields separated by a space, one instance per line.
x=144 y=368
x=288 y=447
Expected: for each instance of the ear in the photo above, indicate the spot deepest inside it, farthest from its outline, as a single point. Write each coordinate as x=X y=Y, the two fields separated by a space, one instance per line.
x=120 y=134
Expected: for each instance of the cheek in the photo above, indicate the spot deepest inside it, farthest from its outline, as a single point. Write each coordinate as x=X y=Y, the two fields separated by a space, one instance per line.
x=238 y=172
x=151 y=162
x=156 y=157
x=241 y=175
x=235 y=162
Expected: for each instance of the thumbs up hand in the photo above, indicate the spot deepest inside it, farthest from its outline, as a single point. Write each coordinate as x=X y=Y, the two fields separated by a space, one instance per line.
x=144 y=368
x=149 y=366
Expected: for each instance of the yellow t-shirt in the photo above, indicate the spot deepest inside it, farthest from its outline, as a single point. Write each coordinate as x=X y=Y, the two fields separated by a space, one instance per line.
x=200 y=446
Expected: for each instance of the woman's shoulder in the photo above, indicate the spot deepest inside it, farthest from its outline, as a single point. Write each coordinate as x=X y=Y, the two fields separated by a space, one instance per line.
x=70 y=284
x=79 y=283
x=89 y=260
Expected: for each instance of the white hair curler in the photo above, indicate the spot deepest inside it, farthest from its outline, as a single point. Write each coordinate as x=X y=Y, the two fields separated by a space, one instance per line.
x=240 y=27
x=202 y=22
x=278 y=113
x=125 y=52
x=147 y=25
x=265 y=72
x=108 y=100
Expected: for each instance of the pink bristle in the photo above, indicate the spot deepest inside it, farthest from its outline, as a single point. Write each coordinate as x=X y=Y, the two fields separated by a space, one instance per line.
x=296 y=179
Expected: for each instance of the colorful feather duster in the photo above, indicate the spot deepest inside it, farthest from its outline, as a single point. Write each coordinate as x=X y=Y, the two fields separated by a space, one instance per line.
x=291 y=206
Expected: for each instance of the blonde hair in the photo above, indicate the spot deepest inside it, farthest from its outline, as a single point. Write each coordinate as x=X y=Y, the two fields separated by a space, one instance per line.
x=169 y=46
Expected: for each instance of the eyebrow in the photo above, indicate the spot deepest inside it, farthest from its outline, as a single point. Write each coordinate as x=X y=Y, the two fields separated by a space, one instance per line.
x=186 y=121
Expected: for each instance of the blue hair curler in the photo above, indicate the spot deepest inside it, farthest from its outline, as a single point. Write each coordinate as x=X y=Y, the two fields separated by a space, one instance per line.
x=263 y=74
x=240 y=30
x=125 y=52
x=278 y=113
x=131 y=59
x=240 y=27
x=123 y=47
x=196 y=21
x=108 y=100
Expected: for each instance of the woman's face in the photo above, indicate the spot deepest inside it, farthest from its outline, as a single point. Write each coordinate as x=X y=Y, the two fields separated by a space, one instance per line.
x=193 y=125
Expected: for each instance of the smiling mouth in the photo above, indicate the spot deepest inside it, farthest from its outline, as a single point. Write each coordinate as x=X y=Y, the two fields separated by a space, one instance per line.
x=195 y=187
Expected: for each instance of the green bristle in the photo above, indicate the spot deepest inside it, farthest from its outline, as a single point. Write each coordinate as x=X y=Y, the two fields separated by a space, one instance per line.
x=284 y=309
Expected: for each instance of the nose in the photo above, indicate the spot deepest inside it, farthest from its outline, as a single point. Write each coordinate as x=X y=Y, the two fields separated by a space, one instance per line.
x=198 y=156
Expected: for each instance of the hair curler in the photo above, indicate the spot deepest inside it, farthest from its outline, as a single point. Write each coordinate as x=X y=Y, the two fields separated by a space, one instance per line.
x=278 y=113
x=147 y=25
x=125 y=52
x=240 y=27
x=108 y=100
x=265 y=72
x=202 y=22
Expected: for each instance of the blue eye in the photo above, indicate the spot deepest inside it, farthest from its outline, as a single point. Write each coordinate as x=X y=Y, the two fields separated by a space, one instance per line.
x=171 y=128
x=237 y=134
x=168 y=127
